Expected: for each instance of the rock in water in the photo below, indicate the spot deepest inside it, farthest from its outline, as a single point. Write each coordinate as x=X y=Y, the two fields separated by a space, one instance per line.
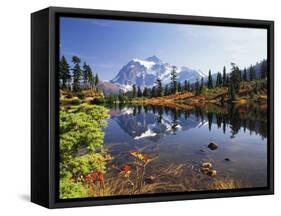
x=213 y=146
x=212 y=173
x=227 y=159
x=206 y=165
x=207 y=169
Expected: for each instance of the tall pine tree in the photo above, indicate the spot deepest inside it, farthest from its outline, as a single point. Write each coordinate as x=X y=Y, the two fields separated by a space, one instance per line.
x=97 y=80
x=85 y=74
x=64 y=72
x=252 y=72
x=224 y=76
x=179 y=88
x=201 y=85
x=139 y=93
x=160 y=91
x=245 y=74
x=235 y=77
x=264 y=69
x=210 y=80
x=145 y=92
x=77 y=72
x=197 y=87
x=91 y=78
x=153 y=92
x=219 y=79
x=174 y=80
x=134 y=91
x=185 y=86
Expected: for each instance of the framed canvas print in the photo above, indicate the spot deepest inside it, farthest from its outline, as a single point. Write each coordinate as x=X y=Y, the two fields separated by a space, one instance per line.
x=138 y=107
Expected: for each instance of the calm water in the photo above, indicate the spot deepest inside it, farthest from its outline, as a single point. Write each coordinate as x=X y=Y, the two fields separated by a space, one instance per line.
x=181 y=136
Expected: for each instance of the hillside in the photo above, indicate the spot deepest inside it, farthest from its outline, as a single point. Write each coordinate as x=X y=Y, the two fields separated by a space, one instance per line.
x=68 y=97
x=218 y=95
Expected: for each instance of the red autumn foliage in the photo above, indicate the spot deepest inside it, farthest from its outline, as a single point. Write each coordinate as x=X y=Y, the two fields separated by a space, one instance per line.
x=88 y=178
x=94 y=176
x=101 y=177
x=126 y=169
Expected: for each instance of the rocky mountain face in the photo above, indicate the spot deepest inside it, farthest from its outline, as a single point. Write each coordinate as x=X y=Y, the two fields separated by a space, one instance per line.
x=145 y=72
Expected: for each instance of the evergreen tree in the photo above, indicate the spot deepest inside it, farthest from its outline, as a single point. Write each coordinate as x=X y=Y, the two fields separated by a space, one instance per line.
x=227 y=80
x=219 y=79
x=77 y=72
x=188 y=86
x=264 y=69
x=197 y=87
x=139 y=93
x=210 y=80
x=64 y=73
x=235 y=78
x=90 y=76
x=145 y=93
x=149 y=92
x=201 y=85
x=134 y=91
x=185 y=86
x=245 y=74
x=174 y=80
x=85 y=74
x=179 y=88
x=224 y=77
x=240 y=75
x=252 y=72
x=166 y=91
x=97 y=80
x=159 y=88
x=153 y=92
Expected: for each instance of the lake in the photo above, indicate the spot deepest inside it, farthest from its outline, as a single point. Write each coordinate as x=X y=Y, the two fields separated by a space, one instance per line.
x=177 y=141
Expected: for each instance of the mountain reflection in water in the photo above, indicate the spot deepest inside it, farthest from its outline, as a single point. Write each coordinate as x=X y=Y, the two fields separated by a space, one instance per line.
x=181 y=136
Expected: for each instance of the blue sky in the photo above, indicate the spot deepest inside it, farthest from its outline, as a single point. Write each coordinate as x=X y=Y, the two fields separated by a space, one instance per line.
x=107 y=45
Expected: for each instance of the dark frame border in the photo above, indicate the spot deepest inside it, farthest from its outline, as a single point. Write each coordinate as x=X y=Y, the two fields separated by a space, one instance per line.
x=56 y=12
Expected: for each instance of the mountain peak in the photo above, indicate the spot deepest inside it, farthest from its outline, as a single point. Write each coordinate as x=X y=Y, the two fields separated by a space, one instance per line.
x=144 y=73
x=154 y=59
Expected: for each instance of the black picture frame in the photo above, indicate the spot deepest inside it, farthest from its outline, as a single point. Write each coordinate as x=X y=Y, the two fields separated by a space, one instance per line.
x=44 y=105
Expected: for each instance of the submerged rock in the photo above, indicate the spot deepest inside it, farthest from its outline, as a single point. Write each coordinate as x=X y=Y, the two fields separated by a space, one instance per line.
x=213 y=146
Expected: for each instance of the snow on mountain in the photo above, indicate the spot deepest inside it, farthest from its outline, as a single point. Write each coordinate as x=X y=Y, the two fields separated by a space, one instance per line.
x=147 y=64
x=154 y=59
x=143 y=125
x=145 y=72
x=113 y=88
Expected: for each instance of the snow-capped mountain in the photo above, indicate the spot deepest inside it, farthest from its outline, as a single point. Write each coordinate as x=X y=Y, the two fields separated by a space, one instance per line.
x=144 y=73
